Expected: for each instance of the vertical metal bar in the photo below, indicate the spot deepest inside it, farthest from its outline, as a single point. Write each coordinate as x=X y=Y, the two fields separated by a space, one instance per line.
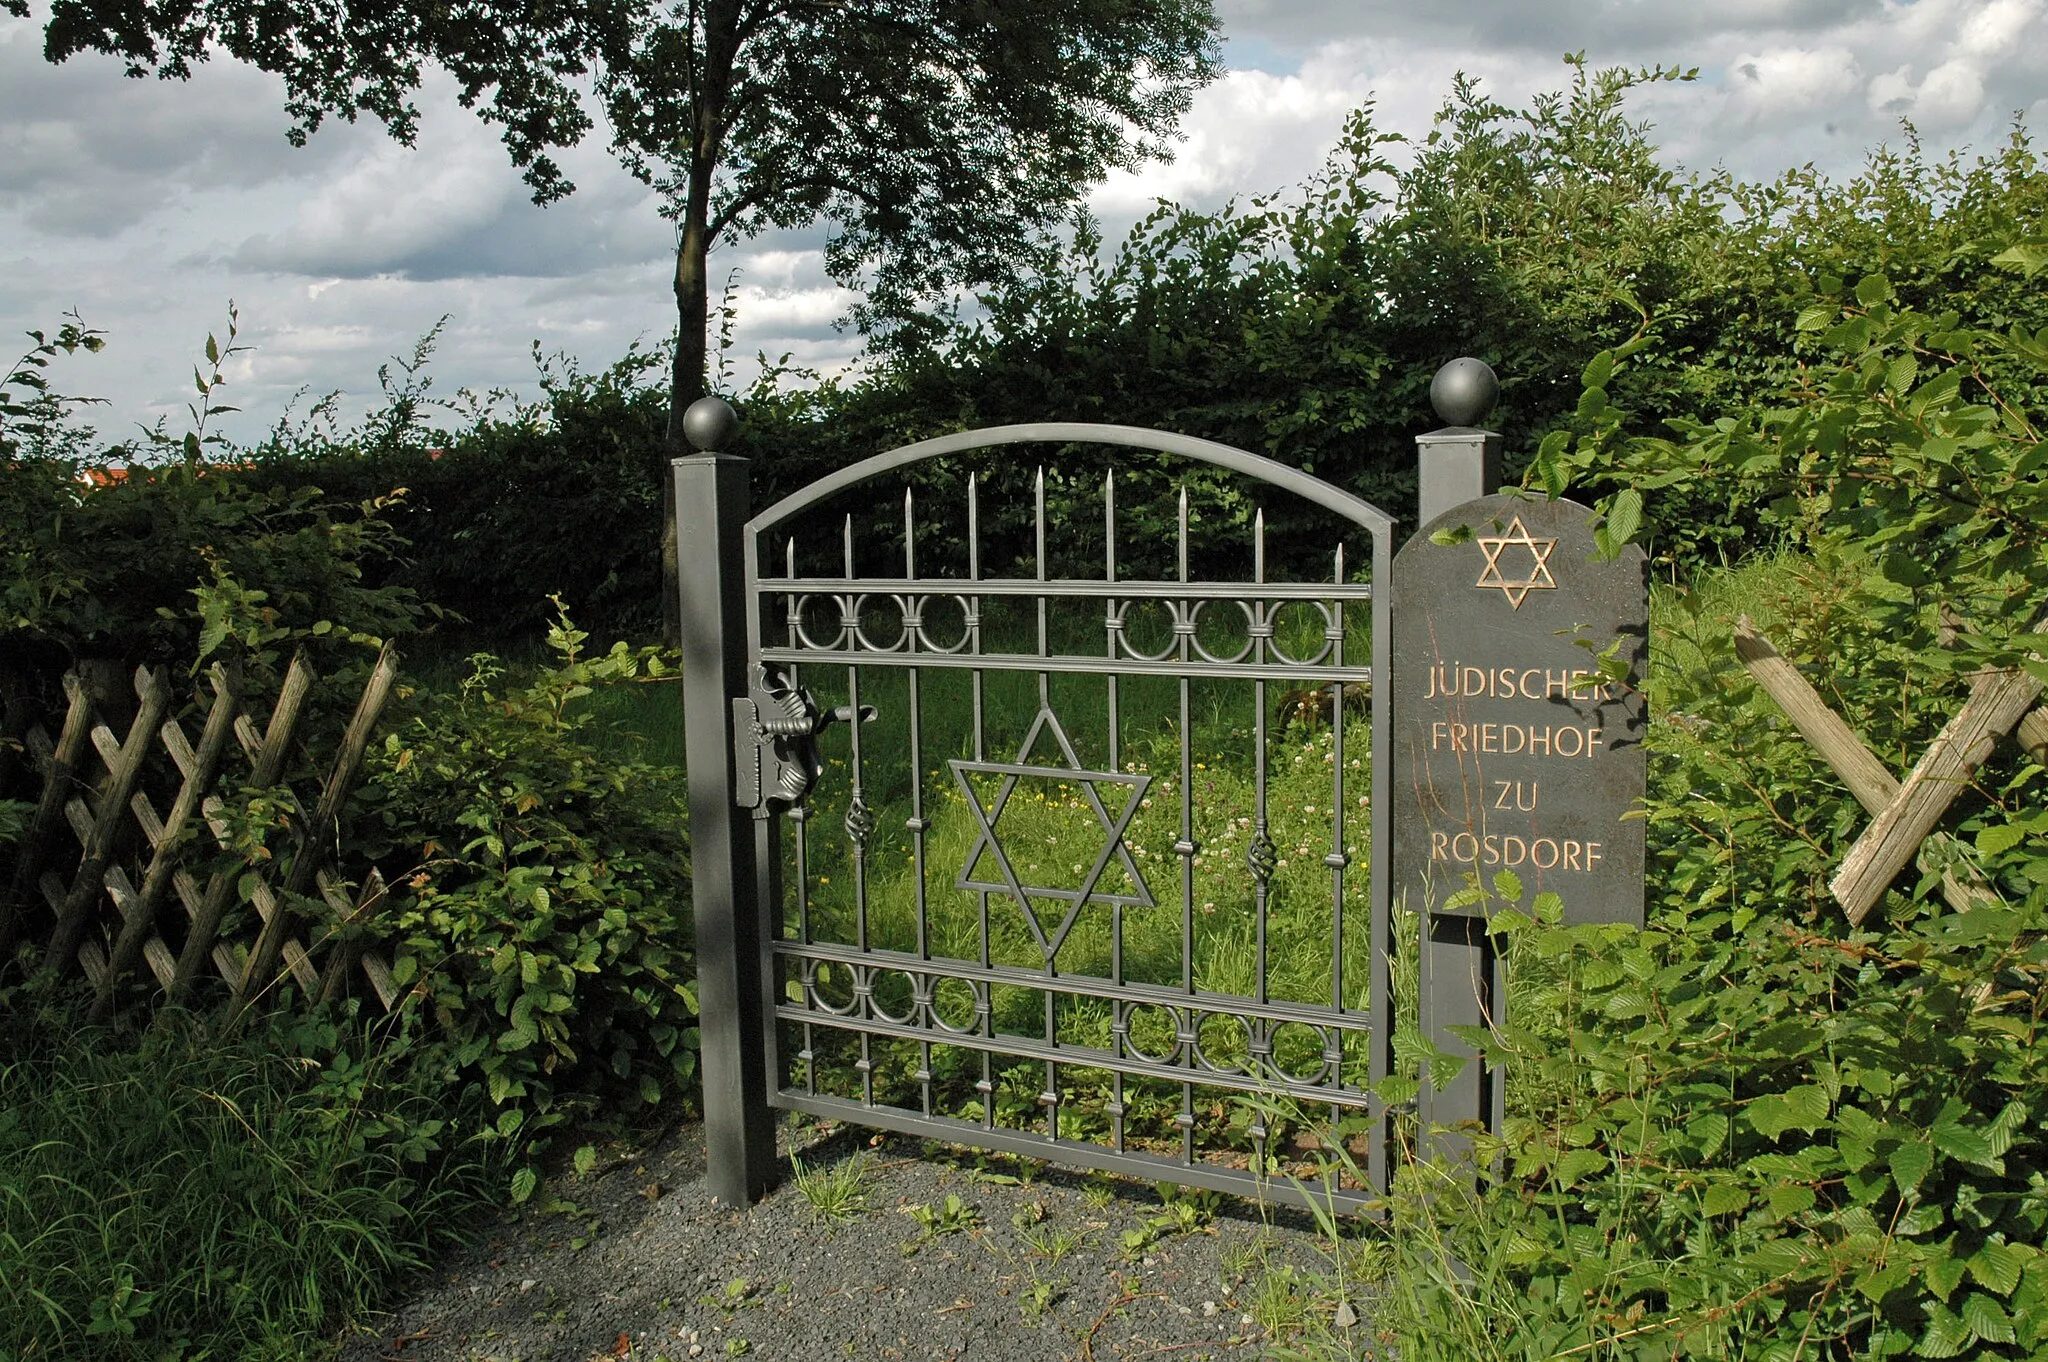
x=917 y=823
x=1333 y=1050
x=713 y=562
x=858 y=820
x=1259 y=835
x=1050 y=1098
x=1110 y=622
x=984 y=993
x=800 y=815
x=1381 y=870
x=1185 y=847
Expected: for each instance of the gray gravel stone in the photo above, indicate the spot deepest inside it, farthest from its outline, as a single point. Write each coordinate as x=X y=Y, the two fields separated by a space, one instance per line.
x=647 y=1267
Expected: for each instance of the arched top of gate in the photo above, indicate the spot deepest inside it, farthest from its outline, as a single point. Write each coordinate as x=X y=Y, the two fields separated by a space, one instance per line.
x=1271 y=471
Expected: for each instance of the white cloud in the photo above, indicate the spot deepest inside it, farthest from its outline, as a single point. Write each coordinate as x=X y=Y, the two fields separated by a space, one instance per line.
x=1788 y=80
x=148 y=204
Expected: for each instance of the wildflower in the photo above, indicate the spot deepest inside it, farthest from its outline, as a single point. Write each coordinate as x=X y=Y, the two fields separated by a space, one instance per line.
x=824 y=879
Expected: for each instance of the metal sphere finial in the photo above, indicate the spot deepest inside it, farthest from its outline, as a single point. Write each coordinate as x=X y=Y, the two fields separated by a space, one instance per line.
x=708 y=423
x=1463 y=391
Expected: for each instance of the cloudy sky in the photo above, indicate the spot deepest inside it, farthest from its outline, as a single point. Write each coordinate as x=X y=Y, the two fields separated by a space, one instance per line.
x=148 y=205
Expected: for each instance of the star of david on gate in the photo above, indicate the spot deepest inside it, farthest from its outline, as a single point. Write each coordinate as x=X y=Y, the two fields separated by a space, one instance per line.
x=1113 y=828
x=1538 y=578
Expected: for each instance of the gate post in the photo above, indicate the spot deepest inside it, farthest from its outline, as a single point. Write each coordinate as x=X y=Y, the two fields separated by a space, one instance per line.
x=712 y=504
x=1461 y=978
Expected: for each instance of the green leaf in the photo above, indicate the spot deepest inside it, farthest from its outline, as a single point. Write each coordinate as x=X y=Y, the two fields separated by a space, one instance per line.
x=1724 y=1198
x=1999 y=838
x=1987 y=1319
x=1945 y=1335
x=1817 y=316
x=586 y=1158
x=1625 y=515
x=1598 y=370
x=2028 y=257
x=1997 y=1266
x=1873 y=289
x=523 y=1183
x=1578 y=1164
x=1910 y=1162
x=1959 y=1141
x=1790 y=1199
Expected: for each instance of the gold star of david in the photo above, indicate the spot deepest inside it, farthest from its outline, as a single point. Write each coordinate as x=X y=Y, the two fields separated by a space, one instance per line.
x=1113 y=828
x=1539 y=578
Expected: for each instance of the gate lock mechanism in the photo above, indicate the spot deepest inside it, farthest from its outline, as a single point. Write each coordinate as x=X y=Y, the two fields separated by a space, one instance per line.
x=775 y=740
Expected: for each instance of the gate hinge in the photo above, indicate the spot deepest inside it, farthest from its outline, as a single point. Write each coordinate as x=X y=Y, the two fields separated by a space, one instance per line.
x=775 y=741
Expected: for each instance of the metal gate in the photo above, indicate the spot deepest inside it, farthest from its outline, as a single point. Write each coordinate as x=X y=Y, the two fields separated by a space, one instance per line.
x=1087 y=857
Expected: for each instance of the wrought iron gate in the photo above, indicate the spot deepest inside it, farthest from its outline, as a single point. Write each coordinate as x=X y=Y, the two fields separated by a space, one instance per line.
x=1015 y=898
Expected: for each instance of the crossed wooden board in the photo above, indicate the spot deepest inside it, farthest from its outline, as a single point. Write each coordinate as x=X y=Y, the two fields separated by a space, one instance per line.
x=1904 y=815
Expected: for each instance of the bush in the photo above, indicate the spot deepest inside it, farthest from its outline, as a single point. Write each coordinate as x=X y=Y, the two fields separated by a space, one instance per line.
x=515 y=503
x=544 y=918
x=1752 y=1131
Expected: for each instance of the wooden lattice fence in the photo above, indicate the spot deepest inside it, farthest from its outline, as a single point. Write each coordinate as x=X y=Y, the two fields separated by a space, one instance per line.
x=108 y=882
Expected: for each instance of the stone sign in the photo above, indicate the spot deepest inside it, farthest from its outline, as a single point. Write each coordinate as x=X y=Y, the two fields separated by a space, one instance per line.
x=1511 y=750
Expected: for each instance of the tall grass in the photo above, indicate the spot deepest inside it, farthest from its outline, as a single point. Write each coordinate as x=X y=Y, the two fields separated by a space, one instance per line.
x=173 y=1195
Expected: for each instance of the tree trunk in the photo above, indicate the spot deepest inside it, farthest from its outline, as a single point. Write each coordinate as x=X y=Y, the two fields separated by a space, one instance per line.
x=687 y=382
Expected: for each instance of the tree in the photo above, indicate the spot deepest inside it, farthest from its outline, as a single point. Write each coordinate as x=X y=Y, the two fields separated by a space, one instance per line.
x=940 y=138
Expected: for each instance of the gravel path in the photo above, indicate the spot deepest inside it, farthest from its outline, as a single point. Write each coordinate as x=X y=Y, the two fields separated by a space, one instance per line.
x=634 y=1262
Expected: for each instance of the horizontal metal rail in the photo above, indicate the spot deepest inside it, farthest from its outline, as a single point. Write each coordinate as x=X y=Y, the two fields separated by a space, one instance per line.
x=1272 y=1083
x=1300 y=673
x=1075 y=985
x=1083 y=1153
x=1135 y=590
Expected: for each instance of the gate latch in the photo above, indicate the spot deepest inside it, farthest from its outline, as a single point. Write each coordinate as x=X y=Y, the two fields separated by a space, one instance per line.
x=775 y=731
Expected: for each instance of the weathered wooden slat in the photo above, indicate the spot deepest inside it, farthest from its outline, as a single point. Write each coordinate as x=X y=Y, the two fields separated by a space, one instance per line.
x=2033 y=734
x=40 y=750
x=265 y=766
x=301 y=965
x=226 y=962
x=1837 y=743
x=146 y=815
x=210 y=810
x=140 y=922
x=108 y=746
x=60 y=781
x=79 y=815
x=1865 y=776
x=348 y=951
x=121 y=891
x=247 y=735
x=188 y=892
x=379 y=975
x=154 y=690
x=313 y=844
x=179 y=746
x=337 y=897
x=161 y=964
x=264 y=900
x=92 y=960
x=52 y=887
x=1997 y=701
